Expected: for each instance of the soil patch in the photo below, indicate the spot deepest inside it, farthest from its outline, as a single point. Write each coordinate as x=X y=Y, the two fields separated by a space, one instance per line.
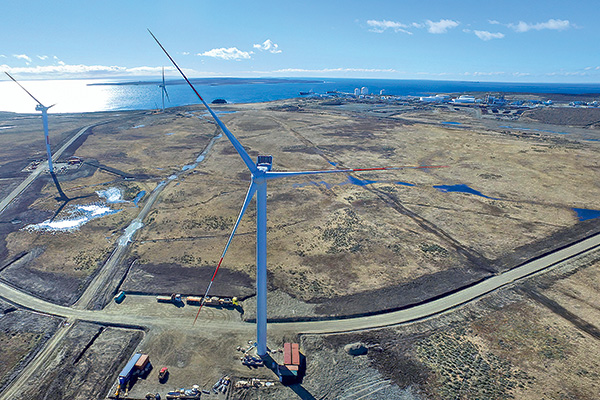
x=78 y=367
x=22 y=335
x=56 y=288
x=564 y=116
x=397 y=297
x=173 y=278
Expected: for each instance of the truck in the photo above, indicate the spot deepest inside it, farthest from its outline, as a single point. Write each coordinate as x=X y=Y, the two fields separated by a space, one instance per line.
x=137 y=365
x=174 y=298
x=127 y=371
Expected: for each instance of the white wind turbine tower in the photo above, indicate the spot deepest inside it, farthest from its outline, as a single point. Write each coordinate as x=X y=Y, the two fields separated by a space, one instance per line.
x=260 y=174
x=44 y=110
x=163 y=90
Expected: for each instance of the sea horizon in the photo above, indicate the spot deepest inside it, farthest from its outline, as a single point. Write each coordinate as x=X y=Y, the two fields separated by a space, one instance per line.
x=143 y=93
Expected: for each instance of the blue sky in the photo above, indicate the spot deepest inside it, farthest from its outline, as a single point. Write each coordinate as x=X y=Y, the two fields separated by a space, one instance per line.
x=510 y=41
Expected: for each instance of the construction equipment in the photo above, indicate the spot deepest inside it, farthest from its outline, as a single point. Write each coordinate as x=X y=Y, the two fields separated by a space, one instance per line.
x=120 y=297
x=252 y=361
x=187 y=394
x=221 y=385
x=213 y=301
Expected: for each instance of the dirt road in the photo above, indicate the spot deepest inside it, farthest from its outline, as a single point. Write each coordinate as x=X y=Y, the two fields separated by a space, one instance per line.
x=135 y=317
x=227 y=321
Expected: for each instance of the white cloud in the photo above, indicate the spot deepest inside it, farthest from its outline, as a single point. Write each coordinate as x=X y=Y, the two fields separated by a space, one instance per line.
x=185 y=53
x=23 y=57
x=381 y=26
x=268 y=45
x=493 y=22
x=231 y=53
x=2 y=56
x=42 y=57
x=441 y=26
x=485 y=35
x=83 y=71
x=553 y=24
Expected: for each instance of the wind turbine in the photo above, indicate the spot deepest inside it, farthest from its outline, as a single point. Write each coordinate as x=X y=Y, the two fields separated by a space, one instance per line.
x=44 y=110
x=163 y=90
x=261 y=173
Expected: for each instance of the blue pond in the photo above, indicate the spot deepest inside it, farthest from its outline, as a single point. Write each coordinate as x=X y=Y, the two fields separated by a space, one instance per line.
x=451 y=123
x=462 y=188
x=584 y=214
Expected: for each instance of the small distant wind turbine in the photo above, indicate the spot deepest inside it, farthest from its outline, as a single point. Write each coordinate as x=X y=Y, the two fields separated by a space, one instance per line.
x=260 y=174
x=163 y=90
x=44 y=110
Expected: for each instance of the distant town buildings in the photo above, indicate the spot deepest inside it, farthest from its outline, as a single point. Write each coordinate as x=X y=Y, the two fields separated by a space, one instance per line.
x=357 y=92
x=364 y=90
x=438 y=98
x=464 y=99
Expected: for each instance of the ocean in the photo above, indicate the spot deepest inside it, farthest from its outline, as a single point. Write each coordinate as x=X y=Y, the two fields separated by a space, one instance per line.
x=76 y=96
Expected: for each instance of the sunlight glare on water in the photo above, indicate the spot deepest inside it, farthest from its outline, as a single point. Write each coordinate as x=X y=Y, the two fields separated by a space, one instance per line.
x=68 y=95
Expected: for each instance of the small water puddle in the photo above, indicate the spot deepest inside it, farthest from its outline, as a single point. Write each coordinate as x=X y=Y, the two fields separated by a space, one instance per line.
x=584 y=214
x=461 y=188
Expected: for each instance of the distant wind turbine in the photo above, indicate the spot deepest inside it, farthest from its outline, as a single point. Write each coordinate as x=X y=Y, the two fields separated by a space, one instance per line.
x=260 y=174
x=44 y=110
x=163 y=90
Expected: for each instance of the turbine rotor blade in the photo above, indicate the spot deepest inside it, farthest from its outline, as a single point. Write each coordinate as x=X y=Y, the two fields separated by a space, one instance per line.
x=283 y=174
x=166 y=93
x=249 y=195
x=236 y=144
x=26 y=91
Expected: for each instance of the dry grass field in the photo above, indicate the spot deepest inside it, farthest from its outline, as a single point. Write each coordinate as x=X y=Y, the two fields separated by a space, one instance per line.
x=329 y=235
x=338 y=244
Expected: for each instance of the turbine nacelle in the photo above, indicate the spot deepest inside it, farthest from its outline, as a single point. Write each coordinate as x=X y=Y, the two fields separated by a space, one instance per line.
x=42 y=108
x=264 y=163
